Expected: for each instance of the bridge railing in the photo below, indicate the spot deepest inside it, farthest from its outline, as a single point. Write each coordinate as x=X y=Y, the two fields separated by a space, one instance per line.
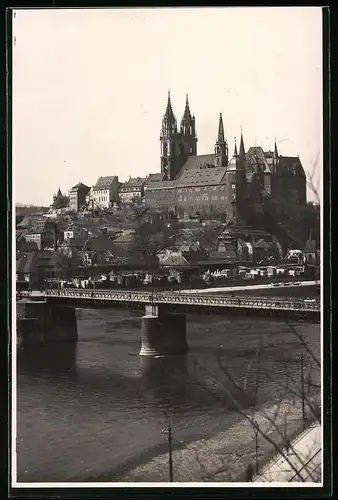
x=185 y=299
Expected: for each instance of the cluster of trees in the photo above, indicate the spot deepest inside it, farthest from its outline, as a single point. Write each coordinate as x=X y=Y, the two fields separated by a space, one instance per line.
x=292 y=223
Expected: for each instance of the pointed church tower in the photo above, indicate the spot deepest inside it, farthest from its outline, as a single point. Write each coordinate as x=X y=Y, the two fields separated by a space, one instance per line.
x=221 y=146
x=275 y=153
x=235 y=149
x=170 y=143
x=188 y=132
x=242 y=148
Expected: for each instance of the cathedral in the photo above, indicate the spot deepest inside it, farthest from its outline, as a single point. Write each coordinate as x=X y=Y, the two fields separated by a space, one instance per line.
x=190 y=184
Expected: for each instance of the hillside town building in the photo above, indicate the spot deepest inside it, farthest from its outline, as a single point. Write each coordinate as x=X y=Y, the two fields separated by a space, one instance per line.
x=132 y=190
x=105 y=193
x=77 y=196
x=191 y=184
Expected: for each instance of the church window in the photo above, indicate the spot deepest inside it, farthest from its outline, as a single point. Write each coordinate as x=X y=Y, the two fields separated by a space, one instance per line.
x=233 y=186
x=205 y=197
x=205 y=188
x=222 y=188
x=214 y=197
x=214 y=188
x=190 y=190
x=197 y=189
x=222 y=197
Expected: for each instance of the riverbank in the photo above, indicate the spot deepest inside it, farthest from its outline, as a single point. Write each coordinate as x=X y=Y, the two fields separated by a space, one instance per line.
x=225 y=456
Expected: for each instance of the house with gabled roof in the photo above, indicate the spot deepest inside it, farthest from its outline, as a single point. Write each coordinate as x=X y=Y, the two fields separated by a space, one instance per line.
x=105 y=193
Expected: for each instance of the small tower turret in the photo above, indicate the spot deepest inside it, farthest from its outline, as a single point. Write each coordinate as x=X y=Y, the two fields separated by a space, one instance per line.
x=242 y=148
x=235 y=149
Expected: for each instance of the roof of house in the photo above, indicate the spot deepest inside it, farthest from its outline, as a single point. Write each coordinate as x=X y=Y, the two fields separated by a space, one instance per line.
x=76 y=242
x=201 y=176
x=30 y=219
x=310 y=246
x=161 y=185
x=26 y=262
x=175 y=259
x=125 y=238
x=102 y=244
x=106 y=182
x=80 y=185
x=155 y=178
x=133 y=182
x=19 y=233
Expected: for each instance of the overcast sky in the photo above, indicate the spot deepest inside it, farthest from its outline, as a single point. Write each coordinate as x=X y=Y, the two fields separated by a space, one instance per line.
x=90 y=88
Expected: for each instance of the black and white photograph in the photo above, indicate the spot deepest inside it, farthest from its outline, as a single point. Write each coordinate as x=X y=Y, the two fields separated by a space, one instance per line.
x=167 y=246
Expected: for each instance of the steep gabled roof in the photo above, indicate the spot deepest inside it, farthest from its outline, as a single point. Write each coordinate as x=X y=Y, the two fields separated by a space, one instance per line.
x=257 y=153
x=79 y=185
x=105 y=182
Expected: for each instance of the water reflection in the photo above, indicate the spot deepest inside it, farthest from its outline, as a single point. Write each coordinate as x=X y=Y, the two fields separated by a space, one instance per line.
x=166 y=379
x=57 y=358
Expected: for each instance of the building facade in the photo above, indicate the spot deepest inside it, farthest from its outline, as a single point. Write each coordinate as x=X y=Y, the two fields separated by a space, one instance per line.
x=42 y=233
x=77 y=196
x=191 y=184
x=105 y=193
x=132 y=190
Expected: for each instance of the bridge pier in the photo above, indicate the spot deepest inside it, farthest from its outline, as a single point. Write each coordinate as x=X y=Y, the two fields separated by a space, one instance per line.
x=39 y=322
x=163 y=333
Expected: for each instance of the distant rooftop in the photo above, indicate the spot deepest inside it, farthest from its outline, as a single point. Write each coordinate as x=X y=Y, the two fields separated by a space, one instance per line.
x=79 y=185
x=105 y=182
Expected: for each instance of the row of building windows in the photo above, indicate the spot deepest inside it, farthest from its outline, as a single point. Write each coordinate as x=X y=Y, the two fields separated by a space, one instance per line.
x=204 y=197
x=190 y=190
x=203 y=207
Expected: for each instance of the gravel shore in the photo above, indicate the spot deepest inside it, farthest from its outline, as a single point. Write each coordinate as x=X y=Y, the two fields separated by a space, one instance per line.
x=225 y=456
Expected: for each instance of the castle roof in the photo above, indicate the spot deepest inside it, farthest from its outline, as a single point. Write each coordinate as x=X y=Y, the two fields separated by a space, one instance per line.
x=201 y=176
x=289 y=164
x=197 y=161
x=257 y=154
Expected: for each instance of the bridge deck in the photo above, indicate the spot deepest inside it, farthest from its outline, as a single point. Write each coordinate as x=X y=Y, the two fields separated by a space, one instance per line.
x=185 y=299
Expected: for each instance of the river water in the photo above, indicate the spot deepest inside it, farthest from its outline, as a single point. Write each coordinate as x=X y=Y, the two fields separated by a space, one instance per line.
x=96 y=410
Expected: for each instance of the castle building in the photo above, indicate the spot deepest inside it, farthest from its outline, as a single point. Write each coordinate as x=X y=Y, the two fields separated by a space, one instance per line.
x=189 y=183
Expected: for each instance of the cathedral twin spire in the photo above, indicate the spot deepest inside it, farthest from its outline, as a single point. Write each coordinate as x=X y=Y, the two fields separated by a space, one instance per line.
x=187 y=122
